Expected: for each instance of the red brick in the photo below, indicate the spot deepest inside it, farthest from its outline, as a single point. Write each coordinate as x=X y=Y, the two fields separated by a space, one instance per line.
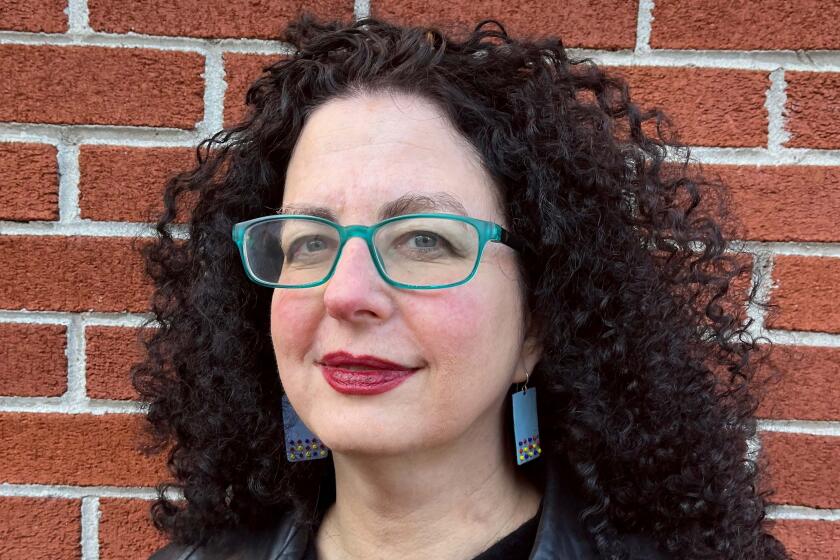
x=807 y=539
x=775 y=203
x=34 y=363
x=77 y=449
x=803 y=468
x=813 y=109
x=754 y=25
x=808 y=388
x=258 y=19
x=28 y=181
x=126 y=531
x=72 y=274
x=708 y=106
x=100 y=85
x=126 y=184
x=806 y=289
x=111 y=351
x=240 y=71
x=42 y=16
x=605 y=24
x=40 y=528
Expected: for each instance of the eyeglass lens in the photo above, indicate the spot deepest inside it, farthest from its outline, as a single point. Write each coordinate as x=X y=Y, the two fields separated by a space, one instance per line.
x=416 y=251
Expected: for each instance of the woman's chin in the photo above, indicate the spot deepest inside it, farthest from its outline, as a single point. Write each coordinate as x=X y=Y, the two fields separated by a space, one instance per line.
x=369 y=444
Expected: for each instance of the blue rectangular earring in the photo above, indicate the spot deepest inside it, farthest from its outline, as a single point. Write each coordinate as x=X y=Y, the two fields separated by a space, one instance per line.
x=301 y=443
x=526 y=429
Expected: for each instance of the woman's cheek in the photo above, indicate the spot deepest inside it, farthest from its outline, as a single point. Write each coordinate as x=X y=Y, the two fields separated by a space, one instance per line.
x=449 y=326
x=293 y=324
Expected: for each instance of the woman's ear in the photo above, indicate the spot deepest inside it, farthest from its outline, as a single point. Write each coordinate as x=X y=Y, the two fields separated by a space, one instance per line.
x=531 y=353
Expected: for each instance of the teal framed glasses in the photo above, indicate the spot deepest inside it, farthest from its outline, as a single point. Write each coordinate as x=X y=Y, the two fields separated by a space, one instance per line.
x=412 y=251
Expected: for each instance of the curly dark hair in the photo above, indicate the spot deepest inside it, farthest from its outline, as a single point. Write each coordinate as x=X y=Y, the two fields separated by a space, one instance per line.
x=646 y=381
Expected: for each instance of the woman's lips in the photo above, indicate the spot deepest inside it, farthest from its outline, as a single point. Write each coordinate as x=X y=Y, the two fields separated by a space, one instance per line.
x=364 y=381
x=362 y=375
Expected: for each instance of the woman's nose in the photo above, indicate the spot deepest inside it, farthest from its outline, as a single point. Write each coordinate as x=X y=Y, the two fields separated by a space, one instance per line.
x=356 y=291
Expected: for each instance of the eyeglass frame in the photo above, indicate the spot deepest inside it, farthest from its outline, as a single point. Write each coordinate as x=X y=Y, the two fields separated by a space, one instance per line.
x=487 y=232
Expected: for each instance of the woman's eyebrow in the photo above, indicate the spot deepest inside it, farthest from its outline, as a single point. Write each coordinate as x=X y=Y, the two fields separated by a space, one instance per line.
x=409 y=203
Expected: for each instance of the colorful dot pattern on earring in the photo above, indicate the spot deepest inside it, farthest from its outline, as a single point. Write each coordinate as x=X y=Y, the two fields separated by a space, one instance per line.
x=303 y=450
x=529 y=448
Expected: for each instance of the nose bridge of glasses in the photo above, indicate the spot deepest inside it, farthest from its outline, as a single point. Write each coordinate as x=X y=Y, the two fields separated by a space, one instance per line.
x=363 y=232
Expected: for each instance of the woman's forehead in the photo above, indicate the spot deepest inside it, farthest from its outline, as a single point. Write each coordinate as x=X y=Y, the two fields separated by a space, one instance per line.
x=370 y=157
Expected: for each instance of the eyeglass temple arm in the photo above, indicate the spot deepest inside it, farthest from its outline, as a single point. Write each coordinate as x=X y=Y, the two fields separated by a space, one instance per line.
x=514 y=241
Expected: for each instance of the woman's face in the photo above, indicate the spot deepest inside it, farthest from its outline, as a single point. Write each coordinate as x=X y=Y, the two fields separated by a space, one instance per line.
x=353 y=157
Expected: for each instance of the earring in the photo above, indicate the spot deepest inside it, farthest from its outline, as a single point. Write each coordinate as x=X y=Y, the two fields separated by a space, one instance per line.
x=301 y=443
x=526 y=429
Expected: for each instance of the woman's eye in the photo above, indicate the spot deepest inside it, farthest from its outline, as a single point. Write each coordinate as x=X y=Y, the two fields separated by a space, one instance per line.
x=424 y=243
x=425 y=240
x=314 y=245
x=306 y=247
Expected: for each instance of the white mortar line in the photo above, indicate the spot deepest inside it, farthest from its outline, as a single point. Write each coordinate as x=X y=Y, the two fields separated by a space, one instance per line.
x=62 y=405
x=90 y=528
x=361 y=9
x=807 y=427
x=254 y=46
x=88 y=318
x=76 y=492
x=131 y=320
x=68 y=183
x=803 y=338
x=762 y=156
x=214 y=92
x=34 y=317
x=820 y=61
x=801 y=248
x=643 y=26
x=140 y=41
x=75 y=352
x=775 y=103
x=78 y=17
x=89 y=228
x=804 y=513
x=8 y=135
x=98 y=134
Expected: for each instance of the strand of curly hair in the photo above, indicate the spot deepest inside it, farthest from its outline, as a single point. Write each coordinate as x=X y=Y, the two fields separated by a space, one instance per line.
x=647 y=383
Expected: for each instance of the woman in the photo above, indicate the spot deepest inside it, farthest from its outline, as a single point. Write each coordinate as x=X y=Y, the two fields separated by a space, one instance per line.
x=443 y=299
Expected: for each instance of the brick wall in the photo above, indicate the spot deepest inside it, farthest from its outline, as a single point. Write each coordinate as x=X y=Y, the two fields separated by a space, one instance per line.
x=101 y=99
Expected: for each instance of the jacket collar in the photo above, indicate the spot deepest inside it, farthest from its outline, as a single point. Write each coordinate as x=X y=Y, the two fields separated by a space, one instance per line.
x=560 y=534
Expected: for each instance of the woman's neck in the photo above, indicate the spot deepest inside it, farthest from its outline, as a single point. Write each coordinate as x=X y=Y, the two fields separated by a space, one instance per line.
x=444 y=504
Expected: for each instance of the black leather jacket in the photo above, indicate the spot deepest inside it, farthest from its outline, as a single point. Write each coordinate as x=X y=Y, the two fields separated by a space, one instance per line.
x=560 y=536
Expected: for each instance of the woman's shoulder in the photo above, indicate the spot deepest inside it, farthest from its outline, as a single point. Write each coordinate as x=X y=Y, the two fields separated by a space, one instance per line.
x=284 y=540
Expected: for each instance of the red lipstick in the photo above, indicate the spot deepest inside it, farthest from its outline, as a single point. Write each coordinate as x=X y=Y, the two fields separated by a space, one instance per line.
x=362 y=375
